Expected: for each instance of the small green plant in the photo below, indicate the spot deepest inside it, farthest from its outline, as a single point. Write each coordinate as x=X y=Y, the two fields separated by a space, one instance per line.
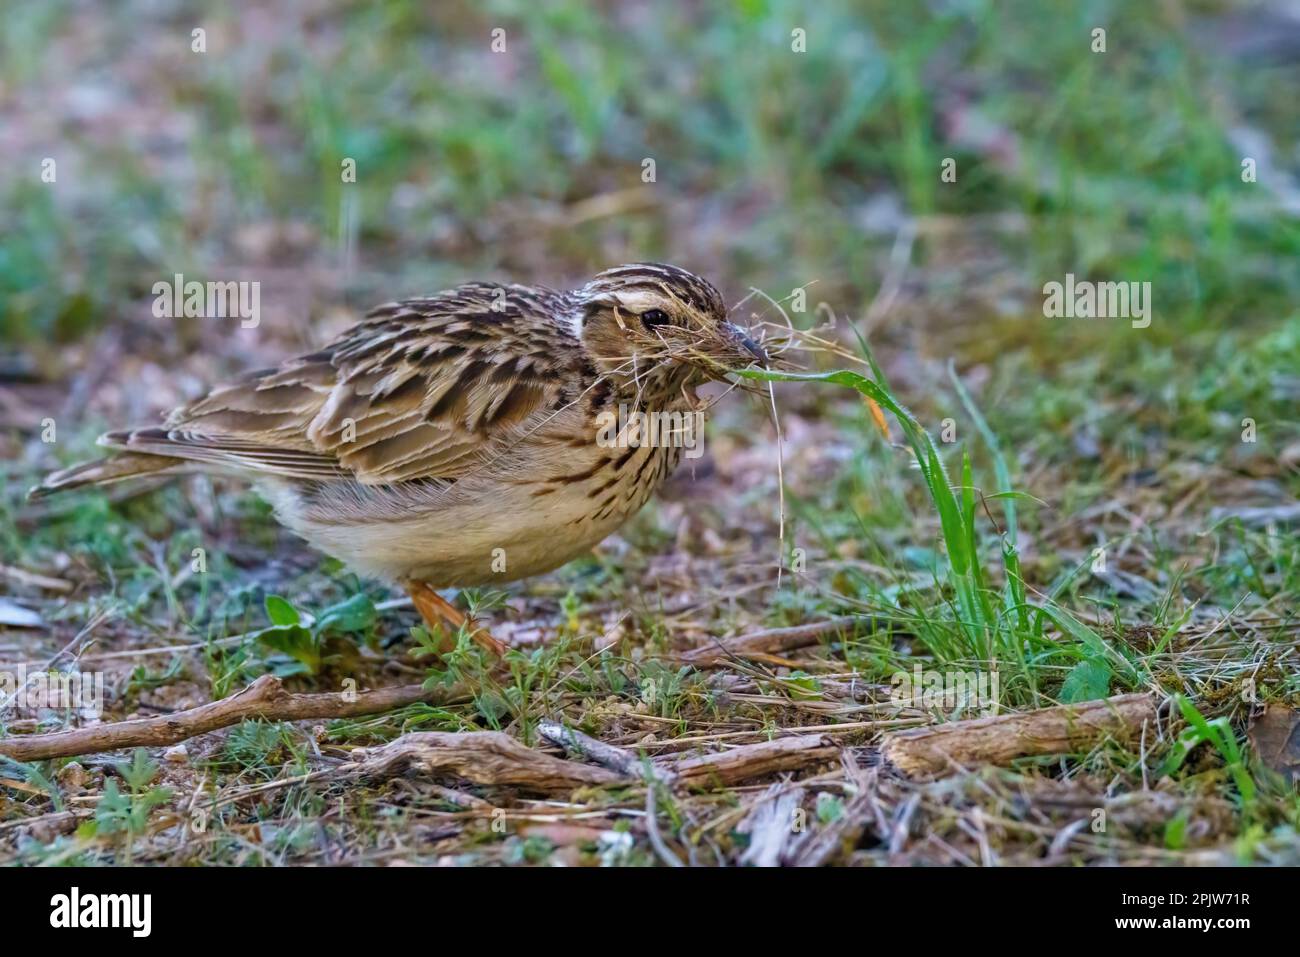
x=571 y=606
x=463 y=662
x=1218 y=733
x=829 y=808
x=529 y=850
x=1087 y=681
x=1003 y=629
x=663 y=689
x=127 y=815
x=1176 y=831
x=291 y=638
x=262 y=748
x=300 y=640
x=144 y=679
x=38 y=776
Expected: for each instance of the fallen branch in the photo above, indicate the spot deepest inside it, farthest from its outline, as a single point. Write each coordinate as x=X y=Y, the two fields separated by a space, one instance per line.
x=751 y=760
x=483 y=757
x=495 y=758
x=619 y=760
x=723 y=767
x=999 y=739
x=265 y=698
x=480 y=757
x=767 y=642
x=771 y=825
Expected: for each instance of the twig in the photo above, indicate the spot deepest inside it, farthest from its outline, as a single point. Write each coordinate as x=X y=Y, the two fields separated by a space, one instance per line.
x=616 y=759
x=753 y=760
x=652 y=825
x=767 y=641
x=724 y=767
x=483 y=757
x=1281 y=514
x=998 y=739
x=770 y=825
x=264 y=698
x=56 y=821
x=902 y=823
x=23 y=577
x=843 y=727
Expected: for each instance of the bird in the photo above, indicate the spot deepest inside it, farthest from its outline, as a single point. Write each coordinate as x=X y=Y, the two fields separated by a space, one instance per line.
x=461 y=439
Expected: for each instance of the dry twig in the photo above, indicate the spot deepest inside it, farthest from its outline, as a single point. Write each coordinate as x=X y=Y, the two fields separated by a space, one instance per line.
x=998 y=739
x=264 y=698
x=619 y=760
x=483 y=757
x=753 y=760
x=767 y=642
x=770 y=825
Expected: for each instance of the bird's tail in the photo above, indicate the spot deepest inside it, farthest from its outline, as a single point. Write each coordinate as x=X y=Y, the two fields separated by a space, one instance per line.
x=115 y=468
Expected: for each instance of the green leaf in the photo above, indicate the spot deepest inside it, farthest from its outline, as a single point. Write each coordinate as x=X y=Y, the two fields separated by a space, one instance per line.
x=1087 y=681
x=356 y=614
x=281 y=612
x=1220 y=735
x=1000 y=469
x=829 y=808
x=1097 y=647
x=140 y=771
x=802 y=686
x=113 y=810
x=296 y=642
x=1176 y=831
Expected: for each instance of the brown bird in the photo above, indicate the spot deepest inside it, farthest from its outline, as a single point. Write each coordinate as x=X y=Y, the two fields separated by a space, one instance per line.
x=468 y=438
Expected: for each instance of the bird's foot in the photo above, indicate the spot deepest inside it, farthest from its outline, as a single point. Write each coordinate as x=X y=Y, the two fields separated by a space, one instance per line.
x=435 y=610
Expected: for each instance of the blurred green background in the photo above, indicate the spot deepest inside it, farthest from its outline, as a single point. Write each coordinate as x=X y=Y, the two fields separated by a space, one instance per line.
x=774 y=168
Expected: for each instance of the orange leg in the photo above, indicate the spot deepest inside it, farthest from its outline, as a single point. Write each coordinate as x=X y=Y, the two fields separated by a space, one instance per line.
x=435 y=609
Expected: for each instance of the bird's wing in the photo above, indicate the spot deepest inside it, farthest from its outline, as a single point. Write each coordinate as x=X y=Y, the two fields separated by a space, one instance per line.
x=422 y=389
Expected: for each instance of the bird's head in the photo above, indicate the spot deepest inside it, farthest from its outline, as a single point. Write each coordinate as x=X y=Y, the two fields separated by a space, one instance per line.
x=658 y=321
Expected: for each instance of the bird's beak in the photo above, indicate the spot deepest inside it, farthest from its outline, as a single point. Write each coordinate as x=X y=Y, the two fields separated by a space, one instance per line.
x=743 y=343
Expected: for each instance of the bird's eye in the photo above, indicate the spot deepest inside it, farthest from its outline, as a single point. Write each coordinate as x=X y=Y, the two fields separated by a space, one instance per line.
x=654 y=317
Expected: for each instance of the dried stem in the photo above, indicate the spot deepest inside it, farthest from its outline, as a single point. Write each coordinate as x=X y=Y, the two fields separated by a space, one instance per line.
x=264 y=698
x=768 y=641
x=942 y=748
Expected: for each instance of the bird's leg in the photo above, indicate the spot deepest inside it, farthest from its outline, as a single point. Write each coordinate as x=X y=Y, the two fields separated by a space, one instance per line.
x=434 y=609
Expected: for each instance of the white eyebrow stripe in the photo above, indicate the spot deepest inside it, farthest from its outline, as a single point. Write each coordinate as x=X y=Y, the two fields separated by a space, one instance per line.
x=644 y=269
